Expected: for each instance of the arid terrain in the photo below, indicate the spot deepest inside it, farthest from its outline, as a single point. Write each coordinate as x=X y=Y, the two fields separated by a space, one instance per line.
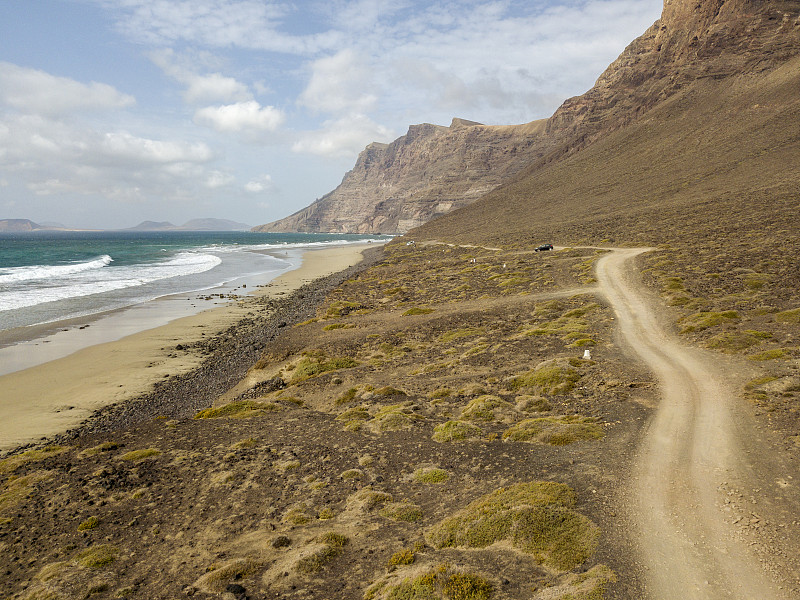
x=465 y=417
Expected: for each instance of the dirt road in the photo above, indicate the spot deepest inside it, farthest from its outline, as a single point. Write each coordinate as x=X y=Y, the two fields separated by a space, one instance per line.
x=714 y=504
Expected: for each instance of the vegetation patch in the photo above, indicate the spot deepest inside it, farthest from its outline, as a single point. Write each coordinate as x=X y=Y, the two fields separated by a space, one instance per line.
x=97 y=556
x=439 y=583
x=769 y=354
x=334 y=326
x=431 y=475
x=12 y=463
x=315 y=364
x=393 y=417
x=705 y=319
x=736 y=341
x=457 y=334
x=137 y=455
x=370 y=499
x=90 y=523
x=16 y=489
x=788 y=316
x=240 y=409
x=590 y=585
x=218 y=577
x=417 y=311
x=332 y=546
x=95 y=450
x=536 y=518
x=529 y=404
x=389 y=391
x=456 y=431
x=348 y=396
x=483 y=408
x=556 y=431
x=553 y=377
x=402 y=511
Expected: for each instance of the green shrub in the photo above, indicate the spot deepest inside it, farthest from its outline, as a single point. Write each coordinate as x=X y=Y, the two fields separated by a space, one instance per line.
x=455 y=431
x=240 y=409
x=788 y=316
x=550 y=377
x=536 y=517
x=417 y=311
x=137 y=455
x=431 y=475
x=705 y=319
x=401 y=511
x=89 y=523
x=483 y=408
x=97 y=556
x=769 y=354
x=311 y=366
x=556 y=431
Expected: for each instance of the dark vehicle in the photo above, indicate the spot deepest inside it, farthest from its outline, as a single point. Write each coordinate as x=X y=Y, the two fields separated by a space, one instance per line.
x=544 y=247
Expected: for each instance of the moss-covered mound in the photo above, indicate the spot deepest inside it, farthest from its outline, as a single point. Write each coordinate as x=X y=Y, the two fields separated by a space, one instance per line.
x=556 y=431
x=536 y=517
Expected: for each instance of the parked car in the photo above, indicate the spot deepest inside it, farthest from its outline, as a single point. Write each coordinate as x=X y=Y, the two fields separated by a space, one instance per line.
x=544 y=247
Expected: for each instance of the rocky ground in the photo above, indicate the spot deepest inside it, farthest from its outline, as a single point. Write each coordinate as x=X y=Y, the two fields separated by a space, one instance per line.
x=432 y=429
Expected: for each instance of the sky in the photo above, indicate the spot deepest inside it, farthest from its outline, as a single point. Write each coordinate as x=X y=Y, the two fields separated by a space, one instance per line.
x=117 y=111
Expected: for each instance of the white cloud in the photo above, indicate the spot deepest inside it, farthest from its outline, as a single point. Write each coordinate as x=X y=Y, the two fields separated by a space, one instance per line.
x=200 y=88
x=345 y=136
x=35 y=92
x=132 y=149
x=248 y=117
x=218 y=179
x=337 y=84
x=260 y=184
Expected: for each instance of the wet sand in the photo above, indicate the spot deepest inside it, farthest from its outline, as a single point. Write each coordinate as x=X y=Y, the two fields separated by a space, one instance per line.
x=56 y=396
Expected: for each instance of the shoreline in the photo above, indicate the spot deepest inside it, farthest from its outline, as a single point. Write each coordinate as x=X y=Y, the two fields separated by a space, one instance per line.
x=67 y=394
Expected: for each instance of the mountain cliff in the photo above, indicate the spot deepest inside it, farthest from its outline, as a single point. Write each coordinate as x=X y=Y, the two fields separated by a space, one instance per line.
x=429 y=171
x=434 y=170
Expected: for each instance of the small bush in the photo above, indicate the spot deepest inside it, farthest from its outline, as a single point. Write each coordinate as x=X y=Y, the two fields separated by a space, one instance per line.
x=769 y=354
x=556 y=431
x=536 y=517
x=311 y=366
x=348 y=396
x=333 y=544
x=240 y=409
x=704 y=320
x=417 y=311
x=352 y=474
x=402 y=557
x=97 y=556
x=402 y=511
x=89 y=523
x=483 y=408
x=788 y=316
x=137 y=455
x=431 y=475
x=550 y=377
x=456 y=431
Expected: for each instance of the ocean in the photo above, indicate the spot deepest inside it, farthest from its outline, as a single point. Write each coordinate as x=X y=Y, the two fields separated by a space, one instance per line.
x=50 y=276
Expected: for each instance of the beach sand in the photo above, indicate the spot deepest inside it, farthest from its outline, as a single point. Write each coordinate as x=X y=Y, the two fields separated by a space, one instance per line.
x=53 y=397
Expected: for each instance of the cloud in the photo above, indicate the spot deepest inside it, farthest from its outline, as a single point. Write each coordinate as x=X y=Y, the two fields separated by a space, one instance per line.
x=342 y=137
x=200 y=88
x=255 y=24
x=35 y=92
x=249 y=117
x=337 y=84
x=218 y=179
x=261 y=184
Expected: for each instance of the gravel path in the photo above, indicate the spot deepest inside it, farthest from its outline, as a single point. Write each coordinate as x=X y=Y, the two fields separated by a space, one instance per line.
x=712 y=519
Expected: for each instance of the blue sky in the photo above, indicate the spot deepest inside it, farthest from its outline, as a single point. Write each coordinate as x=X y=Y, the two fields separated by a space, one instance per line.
x=117 y=111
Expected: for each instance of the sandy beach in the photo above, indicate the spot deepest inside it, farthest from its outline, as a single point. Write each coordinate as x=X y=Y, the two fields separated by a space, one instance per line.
x=53 y=397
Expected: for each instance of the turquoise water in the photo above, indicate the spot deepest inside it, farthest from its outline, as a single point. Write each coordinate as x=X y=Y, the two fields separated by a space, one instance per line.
x=50 y=276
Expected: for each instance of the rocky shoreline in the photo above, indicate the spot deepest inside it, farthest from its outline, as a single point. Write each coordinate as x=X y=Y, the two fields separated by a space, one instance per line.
x=228 y=356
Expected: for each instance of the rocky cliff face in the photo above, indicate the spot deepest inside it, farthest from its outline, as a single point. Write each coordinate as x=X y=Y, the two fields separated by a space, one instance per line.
x=433 y=170
x=429 y=171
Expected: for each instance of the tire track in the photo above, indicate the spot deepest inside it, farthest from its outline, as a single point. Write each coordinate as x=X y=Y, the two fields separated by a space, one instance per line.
x=694 y=448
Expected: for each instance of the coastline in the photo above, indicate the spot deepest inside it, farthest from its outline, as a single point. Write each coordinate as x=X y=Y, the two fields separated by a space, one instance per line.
x=57 y=396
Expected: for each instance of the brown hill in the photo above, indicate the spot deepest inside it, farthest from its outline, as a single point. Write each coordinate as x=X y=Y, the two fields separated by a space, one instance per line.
x=695 y=127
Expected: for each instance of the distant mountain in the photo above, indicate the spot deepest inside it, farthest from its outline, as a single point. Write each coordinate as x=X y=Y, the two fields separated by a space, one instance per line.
x=193 y=225
x=19 y=225
x=153 y=226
